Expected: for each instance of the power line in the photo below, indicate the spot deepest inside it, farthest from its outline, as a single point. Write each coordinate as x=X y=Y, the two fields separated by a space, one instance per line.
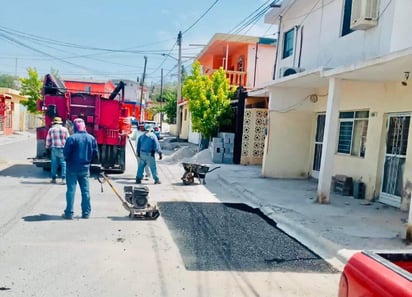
x=42 y=52
x=73 y=45
x=202 y=16
x=251 y=17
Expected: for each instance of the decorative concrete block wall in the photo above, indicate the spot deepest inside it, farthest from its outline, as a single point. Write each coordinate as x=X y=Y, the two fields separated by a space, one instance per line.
x=253 y=140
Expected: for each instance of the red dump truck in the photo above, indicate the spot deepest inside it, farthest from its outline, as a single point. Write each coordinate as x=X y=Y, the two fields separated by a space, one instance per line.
x=106 y=119
x=380 y=274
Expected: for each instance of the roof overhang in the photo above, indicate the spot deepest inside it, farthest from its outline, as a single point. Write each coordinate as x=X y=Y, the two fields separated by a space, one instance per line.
x=388 y=68
x=277 y=10
x=262 y=92
x=306 y=79
x=219 y=42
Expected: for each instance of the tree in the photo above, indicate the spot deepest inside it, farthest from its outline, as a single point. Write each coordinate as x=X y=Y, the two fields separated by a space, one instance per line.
x=168 y=105
x=31 y=87
x=9 y=81
x=209 y=100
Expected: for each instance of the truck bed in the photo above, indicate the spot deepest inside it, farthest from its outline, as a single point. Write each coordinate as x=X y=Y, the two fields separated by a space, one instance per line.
x=401 y=260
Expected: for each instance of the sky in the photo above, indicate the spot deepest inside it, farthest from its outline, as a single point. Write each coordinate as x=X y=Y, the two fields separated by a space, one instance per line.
x=109 y=39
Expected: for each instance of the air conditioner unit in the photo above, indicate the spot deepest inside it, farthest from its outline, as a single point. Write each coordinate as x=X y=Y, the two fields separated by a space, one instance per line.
x=286 y=71
x=364 y=14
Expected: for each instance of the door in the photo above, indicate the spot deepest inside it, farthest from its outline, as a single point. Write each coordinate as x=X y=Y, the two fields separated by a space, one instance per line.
x=320 y=128
x=397 y=130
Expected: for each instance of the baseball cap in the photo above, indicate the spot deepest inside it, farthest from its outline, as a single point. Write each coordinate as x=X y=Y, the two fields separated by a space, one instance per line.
x=148 y=127
x=79 y=125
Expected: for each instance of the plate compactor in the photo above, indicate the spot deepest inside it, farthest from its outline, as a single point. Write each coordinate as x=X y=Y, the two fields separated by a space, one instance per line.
x=136 y=200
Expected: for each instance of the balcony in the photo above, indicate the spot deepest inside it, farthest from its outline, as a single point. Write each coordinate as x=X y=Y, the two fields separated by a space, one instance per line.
x=236 y=78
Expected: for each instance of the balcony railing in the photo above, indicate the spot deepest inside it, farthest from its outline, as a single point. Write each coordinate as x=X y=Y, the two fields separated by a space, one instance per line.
x=236 y=78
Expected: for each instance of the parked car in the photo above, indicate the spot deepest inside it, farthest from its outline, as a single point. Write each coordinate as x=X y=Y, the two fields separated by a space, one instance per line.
x=156 y=128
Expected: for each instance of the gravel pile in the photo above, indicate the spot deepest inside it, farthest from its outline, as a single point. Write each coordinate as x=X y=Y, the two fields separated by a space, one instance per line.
x=189 y=155
x=202 y=157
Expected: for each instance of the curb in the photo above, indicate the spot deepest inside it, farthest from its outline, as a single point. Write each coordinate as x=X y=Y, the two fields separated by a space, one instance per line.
x=328 y=250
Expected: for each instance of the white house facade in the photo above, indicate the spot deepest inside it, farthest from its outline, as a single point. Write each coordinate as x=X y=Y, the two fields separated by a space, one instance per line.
x=341 y=100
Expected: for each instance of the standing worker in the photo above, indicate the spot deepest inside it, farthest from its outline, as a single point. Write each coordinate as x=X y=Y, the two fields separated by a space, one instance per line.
x=80 y=150
x=147 y=146
x=55 y=141
x=134 y=136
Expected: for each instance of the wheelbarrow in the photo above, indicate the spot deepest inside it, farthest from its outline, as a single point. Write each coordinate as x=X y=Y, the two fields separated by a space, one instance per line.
x=195 y=170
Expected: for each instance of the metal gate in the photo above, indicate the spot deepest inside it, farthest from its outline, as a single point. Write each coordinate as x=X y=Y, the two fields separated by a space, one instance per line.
x=395 y=157
x=320 y=129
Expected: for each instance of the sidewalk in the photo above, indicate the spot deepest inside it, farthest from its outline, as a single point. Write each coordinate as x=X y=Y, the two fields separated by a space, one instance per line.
x=335 y=231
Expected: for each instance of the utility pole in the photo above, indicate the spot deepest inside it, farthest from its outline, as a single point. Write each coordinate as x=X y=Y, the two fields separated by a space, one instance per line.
x=141 y=90
x=179 y=84
x=161 y=97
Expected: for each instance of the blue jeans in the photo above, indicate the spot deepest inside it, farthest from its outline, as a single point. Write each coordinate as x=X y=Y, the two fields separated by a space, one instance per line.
x=57 y=159
x=83 y=178
x=147 y=159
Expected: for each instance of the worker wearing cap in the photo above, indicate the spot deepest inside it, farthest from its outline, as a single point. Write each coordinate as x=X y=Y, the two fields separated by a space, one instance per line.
x=80 y=150
x=147 y=146
x=134 y=136
x=55 y=141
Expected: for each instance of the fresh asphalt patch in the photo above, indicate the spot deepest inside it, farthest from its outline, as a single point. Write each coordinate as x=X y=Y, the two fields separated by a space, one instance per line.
x=225 y=236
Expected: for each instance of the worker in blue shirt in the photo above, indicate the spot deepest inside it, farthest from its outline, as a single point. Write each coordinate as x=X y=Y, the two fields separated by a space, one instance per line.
x=79 y=152
x=147 y=146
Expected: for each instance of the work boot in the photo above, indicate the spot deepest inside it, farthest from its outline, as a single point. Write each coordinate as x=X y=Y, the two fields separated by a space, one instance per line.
x=138 y=181
x=53 y=181
x=157 y=182
x=67 y=217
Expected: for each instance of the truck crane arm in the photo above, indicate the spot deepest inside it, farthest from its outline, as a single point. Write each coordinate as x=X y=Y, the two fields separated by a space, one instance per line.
x=119 y=87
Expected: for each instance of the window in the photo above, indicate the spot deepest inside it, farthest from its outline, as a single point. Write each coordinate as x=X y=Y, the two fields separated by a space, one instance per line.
x=88 y=89
x=288 y=43
x=347 y=12
x=353 y=127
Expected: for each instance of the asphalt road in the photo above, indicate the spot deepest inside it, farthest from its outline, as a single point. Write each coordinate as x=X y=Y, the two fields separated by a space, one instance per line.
x=228 y=236
x=197 y=247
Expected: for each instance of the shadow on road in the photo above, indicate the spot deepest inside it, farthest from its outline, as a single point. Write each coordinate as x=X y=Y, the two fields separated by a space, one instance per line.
x=42 y=217
x=23 y=170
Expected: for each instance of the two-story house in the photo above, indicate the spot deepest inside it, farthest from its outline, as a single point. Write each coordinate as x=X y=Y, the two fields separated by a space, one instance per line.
x=248 y=63
x=341 y=100
x=136 y=100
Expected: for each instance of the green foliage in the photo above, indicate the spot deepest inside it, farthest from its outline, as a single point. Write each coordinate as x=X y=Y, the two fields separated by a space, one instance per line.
x=166 y=104
x=209 y=100
x=9 y=81
x=31 y=87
